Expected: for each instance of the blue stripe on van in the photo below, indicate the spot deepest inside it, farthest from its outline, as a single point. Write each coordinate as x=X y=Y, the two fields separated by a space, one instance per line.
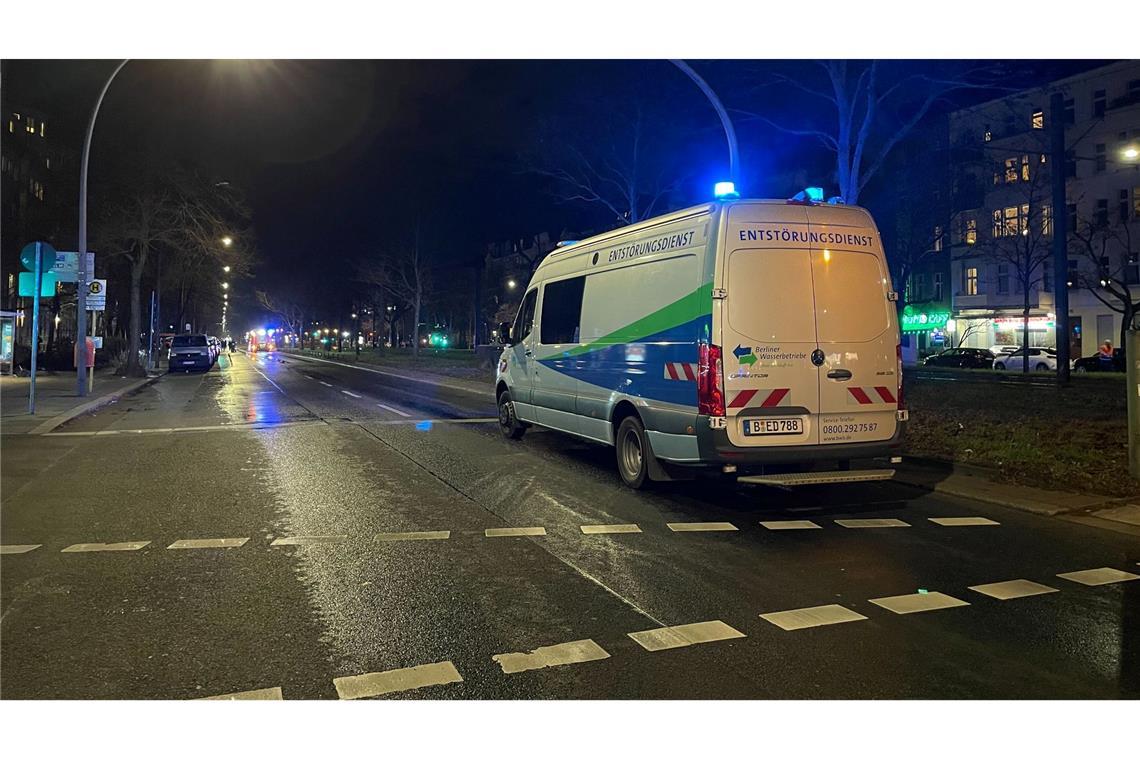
x=638 y=368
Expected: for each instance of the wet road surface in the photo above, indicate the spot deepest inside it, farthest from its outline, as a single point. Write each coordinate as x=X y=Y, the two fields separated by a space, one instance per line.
x=338 y=523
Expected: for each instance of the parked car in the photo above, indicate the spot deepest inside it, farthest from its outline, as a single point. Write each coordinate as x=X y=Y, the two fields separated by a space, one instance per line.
x=1003 y=348
x=189 y=352
x=1094 y=363
x=1040 y=359
x=968 y=358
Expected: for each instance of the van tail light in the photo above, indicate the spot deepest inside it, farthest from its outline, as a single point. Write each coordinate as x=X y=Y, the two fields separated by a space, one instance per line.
x=710 y=381
x=898 y=368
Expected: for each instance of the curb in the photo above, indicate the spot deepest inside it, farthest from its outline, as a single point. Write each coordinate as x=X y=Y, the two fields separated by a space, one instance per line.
x=82 y=409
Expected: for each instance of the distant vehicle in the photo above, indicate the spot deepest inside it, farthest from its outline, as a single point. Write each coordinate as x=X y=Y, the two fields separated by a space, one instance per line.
x=190 y=352
x=1095 y=363
x=1003 y=348
x=737 y=336
x=261 y=343
x=1040 y=360
x=968 y=358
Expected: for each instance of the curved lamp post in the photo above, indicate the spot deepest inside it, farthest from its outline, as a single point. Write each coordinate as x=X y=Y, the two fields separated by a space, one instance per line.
x=729 y=132
x=81 y=286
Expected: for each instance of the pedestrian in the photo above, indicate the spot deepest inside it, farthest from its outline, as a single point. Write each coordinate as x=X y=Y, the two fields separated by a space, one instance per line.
x=1105 y=354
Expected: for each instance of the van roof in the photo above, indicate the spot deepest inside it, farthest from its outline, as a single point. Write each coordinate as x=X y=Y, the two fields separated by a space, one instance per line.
x=675 y=216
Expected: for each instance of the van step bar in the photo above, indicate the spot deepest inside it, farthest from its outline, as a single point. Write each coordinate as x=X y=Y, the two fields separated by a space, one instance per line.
x=816 y=478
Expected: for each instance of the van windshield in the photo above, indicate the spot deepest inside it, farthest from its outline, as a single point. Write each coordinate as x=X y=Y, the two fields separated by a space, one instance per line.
x=850 y=296
x=181 y=341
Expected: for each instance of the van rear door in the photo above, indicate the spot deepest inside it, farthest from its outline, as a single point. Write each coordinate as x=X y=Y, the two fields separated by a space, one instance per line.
x=857 y=330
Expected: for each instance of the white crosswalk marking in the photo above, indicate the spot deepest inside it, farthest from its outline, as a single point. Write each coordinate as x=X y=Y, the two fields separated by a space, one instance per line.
x=920 y=602
x=1099 y=577
x=390 y=681
x=1013 y=589
x=322 y=382
x=812 y=617
x=423 y=535
x=593 y=530
x=18 y=548
x=124 y=546
x=257 y=694
x=674 y=636
x=700 y=527
x=208 y=543
x=790 y=525
x=876 y=522
x=956 y=522
x=393 y=410
x=506 y=532
x=572 y=653
x=306 y=540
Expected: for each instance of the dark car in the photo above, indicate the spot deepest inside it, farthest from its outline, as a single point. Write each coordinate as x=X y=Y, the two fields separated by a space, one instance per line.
x=189 y=352
x=966 y=358
x=1096 y=363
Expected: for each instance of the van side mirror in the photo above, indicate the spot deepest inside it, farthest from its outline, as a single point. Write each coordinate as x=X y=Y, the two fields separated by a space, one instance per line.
x=505 y=333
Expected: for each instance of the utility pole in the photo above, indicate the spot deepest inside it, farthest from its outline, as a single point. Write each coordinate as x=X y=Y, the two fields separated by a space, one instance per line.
x=1060 y=222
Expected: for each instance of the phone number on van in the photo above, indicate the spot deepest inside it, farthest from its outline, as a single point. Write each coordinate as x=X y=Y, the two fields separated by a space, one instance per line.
x=855 y=427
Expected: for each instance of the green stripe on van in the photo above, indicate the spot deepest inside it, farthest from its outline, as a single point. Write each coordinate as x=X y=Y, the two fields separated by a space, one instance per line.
x=685 y=309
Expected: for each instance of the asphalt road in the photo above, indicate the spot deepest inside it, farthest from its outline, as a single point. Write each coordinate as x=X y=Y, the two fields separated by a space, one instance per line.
x=381 y=492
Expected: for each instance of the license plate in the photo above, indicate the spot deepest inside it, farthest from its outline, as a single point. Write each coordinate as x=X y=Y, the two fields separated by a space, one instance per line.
x=774 y=426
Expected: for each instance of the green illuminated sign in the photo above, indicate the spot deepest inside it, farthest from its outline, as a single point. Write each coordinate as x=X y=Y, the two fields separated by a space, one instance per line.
x=921 y=321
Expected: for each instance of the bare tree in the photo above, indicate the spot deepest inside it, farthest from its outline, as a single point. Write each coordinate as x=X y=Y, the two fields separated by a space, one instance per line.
x=405 y=273
x=289 y=310
x=866 y=108
x=973 y=327
x=1108 y=258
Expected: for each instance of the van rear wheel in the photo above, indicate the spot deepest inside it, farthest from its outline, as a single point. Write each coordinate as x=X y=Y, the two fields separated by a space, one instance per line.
x=509 y=424
x=632 y=451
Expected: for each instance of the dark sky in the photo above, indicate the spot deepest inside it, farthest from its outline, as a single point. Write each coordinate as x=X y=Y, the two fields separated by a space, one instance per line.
x=339 y=157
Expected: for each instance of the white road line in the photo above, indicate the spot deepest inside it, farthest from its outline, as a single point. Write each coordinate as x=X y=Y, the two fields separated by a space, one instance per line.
x=350 y=393
x=908 y=603
x=1099 y=577
x=423 y=535
x=390 y=681
x=208 y=543
x=593 y=530
x=812 y=617
x=18 y=548
x=310 y=377
x=272 y=693
x=889 y=522
x=505 y=532
x=571 y=653
x=393 y=410
x=125 y=546
x=674 y=636
x=1013 y=589
x=789 y=524
x=306 y=540
x=322 y=382
x=956 y=522
x=232 y=426
x=700 y=527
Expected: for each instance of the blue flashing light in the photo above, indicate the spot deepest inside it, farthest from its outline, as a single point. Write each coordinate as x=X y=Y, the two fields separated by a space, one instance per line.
x=814 y=194
x=725 y=190
x=423 y=425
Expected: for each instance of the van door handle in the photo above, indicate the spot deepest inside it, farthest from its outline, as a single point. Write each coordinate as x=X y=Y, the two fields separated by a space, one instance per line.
x=839 y=374
x=528 y=352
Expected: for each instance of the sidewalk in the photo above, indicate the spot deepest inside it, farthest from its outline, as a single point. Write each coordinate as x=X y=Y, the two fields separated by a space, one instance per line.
x=56 y=400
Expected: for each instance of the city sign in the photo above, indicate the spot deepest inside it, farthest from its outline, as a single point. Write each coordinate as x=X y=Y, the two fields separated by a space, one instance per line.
x=67 y=265
x=28 y=256
x=1016 y=323
x=27 y=284
x=97 y=295
x=921 y=321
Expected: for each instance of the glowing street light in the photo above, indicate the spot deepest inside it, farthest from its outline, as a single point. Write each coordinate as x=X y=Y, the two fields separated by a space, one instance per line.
x=225 y=286
x=1131 y=153
x=227 y=241
x=226 y=268
x=511 y=284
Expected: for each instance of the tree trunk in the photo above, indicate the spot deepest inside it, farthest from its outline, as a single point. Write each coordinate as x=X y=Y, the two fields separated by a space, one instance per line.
x=1025 y=331
x=135 y=322
x=1126 y=318
x=416 y=326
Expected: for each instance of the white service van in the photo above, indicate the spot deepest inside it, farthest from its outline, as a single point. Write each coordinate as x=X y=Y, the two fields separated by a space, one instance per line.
x=745 y=335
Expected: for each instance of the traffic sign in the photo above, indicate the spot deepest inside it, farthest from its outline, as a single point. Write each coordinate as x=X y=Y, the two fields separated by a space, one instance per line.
x=97 y=295
x=28 y=256
x=67 y=265
x=27 y=284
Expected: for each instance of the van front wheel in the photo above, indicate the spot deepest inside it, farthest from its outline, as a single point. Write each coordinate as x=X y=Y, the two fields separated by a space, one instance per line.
x=632 y=452
x=508 y=423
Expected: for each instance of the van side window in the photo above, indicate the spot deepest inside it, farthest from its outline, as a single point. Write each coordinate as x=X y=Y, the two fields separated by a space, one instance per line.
x=524 y=321
x=562 y=311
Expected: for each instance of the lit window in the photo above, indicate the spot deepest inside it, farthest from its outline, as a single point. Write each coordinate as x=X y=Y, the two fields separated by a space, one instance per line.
x=971 y=231
x=937 y=238
x=1047 y=221
x=1025 y=168
x=998 y=230
x=1010 y=170
x=987 y=135
x=42 y=125
x=971 y=281
x=1038 y=120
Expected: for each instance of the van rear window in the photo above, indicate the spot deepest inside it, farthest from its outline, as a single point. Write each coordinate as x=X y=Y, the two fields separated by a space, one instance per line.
x=850 y=296
x=771 y=295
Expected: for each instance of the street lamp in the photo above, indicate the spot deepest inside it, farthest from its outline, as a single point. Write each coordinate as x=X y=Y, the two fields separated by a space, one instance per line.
x=511 y=284
x=729 y=132
x=227 y=241
x=226 y=268
x=225 y=286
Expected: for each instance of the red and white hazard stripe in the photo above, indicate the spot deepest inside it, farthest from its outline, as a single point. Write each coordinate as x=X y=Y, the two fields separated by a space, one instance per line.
x=681 y=371
x=768 y=397
x=879 y=394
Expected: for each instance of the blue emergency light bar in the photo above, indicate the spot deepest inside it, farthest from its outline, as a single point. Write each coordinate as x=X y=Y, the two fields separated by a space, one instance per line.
x=725 y=190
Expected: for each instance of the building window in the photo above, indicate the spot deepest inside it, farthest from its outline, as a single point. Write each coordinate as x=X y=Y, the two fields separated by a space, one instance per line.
x=1025 y=168
x=1038 y=119
x=1003 y=279
x=1101 y=158
x=919 y=287
x=972 y=229
x=11 y=126
x=1071 y=208
x=1132 y=271
x=1047 y=221
x=1070 y=111
x=937 y=238
x=1012 y=220
x=1098 y=103
x=1102 y=212
x=987 y=135
x=1010 y=170
x=1136 y=202
x=970 y=276
x=1123 y=207
x=1047 y=276
x=937 y=286
x=43 y=126
x=1070 y=164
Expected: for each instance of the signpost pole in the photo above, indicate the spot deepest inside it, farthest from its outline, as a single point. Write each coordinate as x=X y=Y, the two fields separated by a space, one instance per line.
x=35 y=329
x=150 y=336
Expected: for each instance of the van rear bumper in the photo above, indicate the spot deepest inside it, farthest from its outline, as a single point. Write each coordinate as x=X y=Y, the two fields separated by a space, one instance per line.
x=714 y=447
